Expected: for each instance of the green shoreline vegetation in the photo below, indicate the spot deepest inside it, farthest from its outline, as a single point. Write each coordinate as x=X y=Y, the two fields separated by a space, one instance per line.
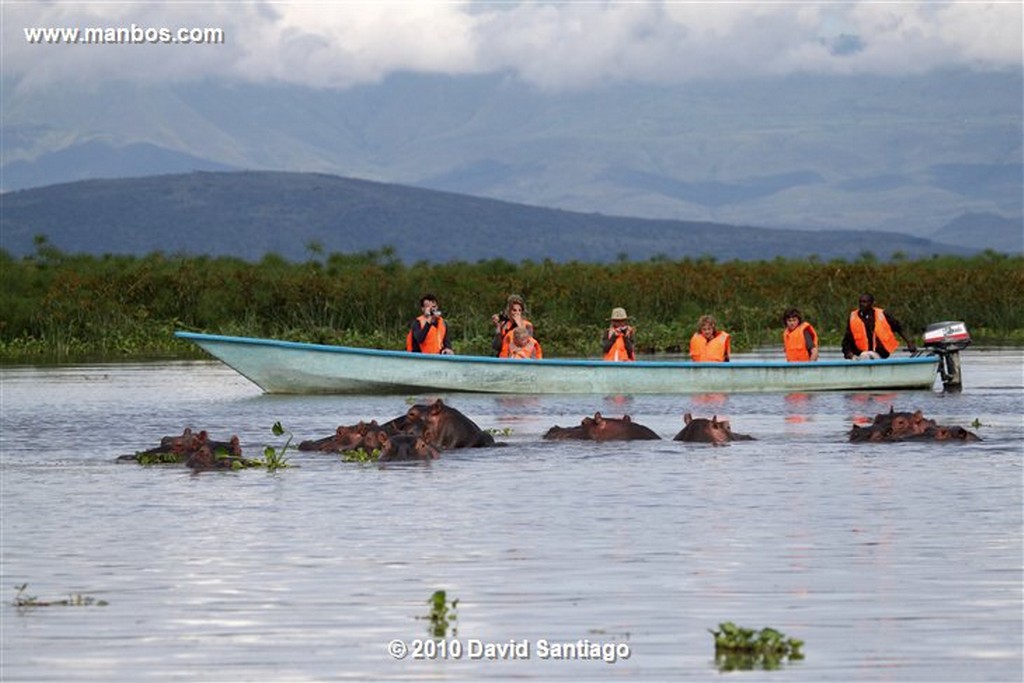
x=57 y=307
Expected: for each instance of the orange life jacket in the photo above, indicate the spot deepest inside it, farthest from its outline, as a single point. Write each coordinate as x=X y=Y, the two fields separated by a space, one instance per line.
x=795 y=344
x=507 y=338
x=530 y=350
x=883 y=333
x=433 y=342
x=717 y=349
x=618 y=350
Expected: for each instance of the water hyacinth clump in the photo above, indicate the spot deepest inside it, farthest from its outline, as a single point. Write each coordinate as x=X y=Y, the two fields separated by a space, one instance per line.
x=744 y=649
x=360 y=455
x=274 y=459
x=442 y=615
x=23 y=601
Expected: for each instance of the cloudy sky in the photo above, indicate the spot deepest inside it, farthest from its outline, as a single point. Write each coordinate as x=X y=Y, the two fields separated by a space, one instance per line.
x=553 y=46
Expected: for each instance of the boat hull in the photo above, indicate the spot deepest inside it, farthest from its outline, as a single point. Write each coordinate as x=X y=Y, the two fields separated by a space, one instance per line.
x=282 y=367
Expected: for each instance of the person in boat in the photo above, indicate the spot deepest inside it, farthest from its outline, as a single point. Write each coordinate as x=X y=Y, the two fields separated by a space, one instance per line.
x=523 y=345
x=871 y=332
x=617 y=343
x=709 y=344
x=428 y=332
x=799 y=338
x=506 y=321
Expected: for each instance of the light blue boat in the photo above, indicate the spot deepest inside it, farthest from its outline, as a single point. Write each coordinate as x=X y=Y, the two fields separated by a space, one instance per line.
x=284 y=367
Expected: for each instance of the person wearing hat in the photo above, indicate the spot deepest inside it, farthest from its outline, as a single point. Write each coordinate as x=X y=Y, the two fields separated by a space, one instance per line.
x=617 y=343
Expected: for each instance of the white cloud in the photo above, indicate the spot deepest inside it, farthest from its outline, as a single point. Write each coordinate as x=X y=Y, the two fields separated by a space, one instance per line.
x=552 y=45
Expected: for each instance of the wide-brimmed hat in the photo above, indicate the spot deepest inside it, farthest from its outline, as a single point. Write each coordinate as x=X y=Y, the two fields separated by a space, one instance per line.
x=618 y=314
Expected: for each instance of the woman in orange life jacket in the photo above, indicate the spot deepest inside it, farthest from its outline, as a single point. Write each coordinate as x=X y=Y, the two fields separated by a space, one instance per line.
x=709 y=343
x=428 y=333
x=799 y=339
x=871 y=332
x=523 y=345
x=506 y=321
x=617 y=343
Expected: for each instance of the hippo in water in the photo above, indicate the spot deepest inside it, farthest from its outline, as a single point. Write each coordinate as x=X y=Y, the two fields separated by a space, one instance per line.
x=345 y=438
x=405 y=447
x=906 y=426
x=441 y=426
x=600 y=428
x=207 y=458
x=703 y=430
x=178 y=449
x=195 y=450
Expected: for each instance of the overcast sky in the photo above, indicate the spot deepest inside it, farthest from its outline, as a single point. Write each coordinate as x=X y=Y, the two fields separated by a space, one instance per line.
x=555 y=46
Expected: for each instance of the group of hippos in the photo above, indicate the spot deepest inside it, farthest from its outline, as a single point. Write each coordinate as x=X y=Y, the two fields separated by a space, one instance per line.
x=426 y=430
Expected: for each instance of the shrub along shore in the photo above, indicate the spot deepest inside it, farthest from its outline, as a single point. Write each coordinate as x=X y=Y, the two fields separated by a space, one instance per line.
x=57 y=307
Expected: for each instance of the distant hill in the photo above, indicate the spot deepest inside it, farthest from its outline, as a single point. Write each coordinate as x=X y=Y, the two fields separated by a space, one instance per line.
x=251 y=214
x=971 y=229
x=906 y=154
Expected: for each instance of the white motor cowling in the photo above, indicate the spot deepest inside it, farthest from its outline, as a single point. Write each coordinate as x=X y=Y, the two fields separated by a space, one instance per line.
x=949 y=335
x=947 y=339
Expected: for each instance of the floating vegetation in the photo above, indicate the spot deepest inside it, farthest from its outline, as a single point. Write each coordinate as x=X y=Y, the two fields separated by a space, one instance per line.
x=274 y=459
x=77 y=600
x=496 y=431
x=158 y=458
x=442 y=614
x=360 y=455
x=977 y=423
x=744 y=649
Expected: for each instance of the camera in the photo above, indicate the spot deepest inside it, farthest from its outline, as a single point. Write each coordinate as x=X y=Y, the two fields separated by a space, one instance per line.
x=436 y=312
x=503 y=317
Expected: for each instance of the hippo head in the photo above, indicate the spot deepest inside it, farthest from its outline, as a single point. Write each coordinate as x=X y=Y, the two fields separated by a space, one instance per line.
x=705 y=430
x=406 y=447
x=908 y=424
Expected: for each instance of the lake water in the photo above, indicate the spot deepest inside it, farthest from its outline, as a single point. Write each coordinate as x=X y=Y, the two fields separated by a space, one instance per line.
x=893 y=562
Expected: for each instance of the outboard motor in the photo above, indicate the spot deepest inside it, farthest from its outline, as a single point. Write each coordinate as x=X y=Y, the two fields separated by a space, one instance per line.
x=947 y=339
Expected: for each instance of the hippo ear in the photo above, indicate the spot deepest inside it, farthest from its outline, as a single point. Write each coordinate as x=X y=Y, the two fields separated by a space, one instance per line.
x=436 y=408
x=714 y=420
x=918 y=415
x=597 y=416
x=687 y=418
x=627 y=418
x=892 y=409
x=598 y=420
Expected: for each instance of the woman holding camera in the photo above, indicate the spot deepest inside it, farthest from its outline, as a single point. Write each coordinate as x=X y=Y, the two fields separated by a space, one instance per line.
x=506 y=321
x=428 y=332
x=617 y=343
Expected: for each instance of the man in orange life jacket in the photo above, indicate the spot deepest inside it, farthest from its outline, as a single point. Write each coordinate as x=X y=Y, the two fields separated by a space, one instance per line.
x=871 y=332
x=428 y=333
x=617 y=343
x=799 y=339
x=709 y=343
